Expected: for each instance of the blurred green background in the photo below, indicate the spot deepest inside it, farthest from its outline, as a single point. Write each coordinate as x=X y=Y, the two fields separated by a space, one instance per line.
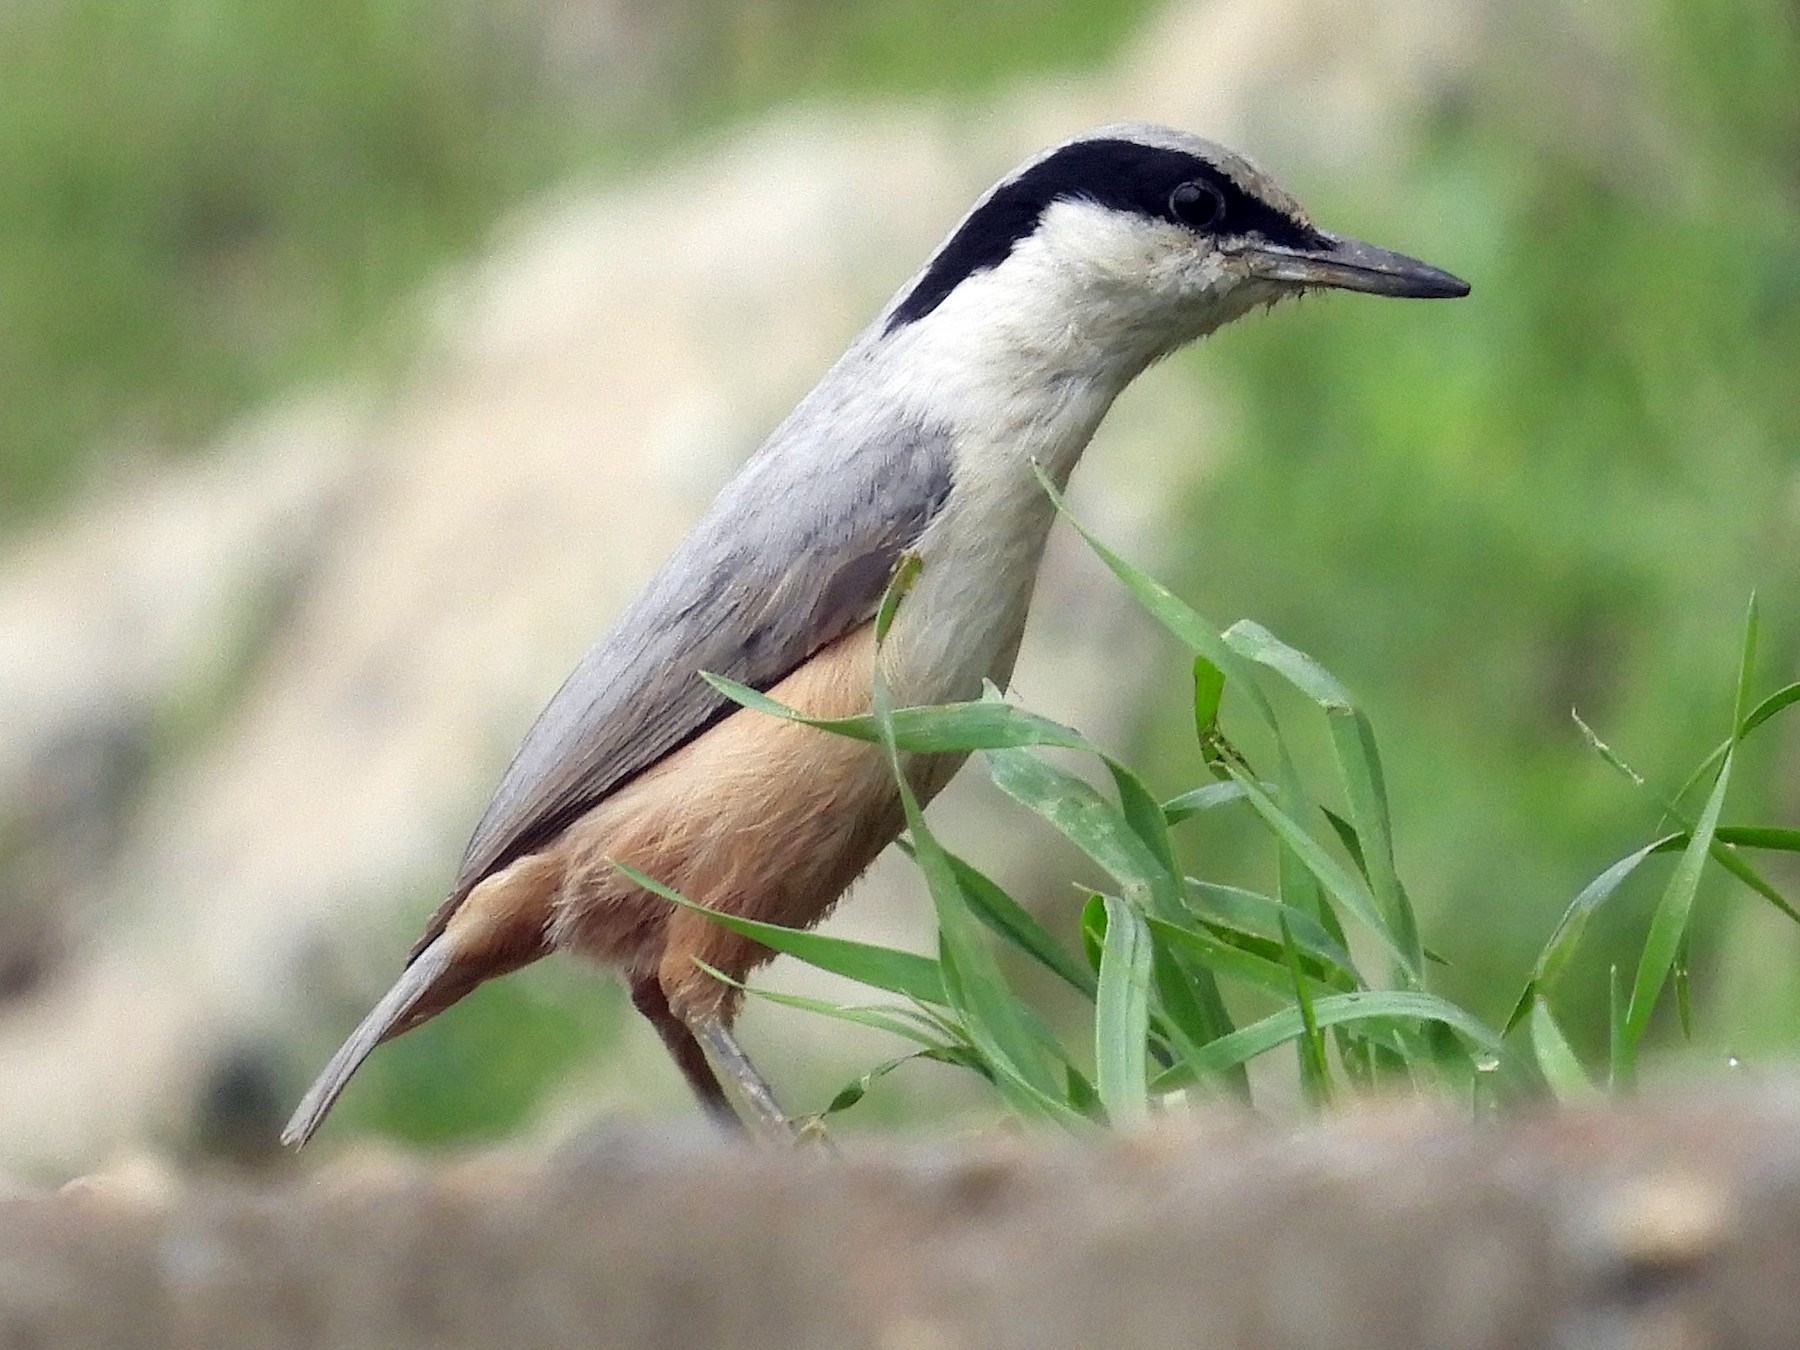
x=1556 y=495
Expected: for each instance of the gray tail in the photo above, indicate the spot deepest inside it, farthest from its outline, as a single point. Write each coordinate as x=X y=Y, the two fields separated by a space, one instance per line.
x=385 y=1019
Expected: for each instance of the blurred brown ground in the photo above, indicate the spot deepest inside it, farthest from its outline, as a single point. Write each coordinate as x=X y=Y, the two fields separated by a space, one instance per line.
x=1635 y=1225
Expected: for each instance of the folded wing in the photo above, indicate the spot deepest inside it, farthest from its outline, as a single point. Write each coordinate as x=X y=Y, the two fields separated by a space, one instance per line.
x=794 y=553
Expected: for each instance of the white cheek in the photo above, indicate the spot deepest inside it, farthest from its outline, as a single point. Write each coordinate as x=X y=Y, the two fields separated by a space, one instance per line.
x=1118 y=252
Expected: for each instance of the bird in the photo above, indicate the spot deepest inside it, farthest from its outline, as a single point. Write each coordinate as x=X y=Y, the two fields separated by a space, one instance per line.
x=992 y=365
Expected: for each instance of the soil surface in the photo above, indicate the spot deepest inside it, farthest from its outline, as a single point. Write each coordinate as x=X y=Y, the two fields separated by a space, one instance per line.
x=1666 y=1224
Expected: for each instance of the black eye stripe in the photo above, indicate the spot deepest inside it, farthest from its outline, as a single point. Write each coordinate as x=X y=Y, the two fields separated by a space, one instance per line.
x=1123 y=175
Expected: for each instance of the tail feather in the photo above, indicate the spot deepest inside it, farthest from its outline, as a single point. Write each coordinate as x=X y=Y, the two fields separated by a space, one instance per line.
x=388 y=1017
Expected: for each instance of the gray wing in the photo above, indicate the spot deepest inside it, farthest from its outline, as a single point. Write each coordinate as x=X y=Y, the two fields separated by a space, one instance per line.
x=795 y=552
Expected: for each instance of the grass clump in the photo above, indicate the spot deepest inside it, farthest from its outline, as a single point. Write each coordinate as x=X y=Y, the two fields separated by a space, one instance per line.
x=1330 y=962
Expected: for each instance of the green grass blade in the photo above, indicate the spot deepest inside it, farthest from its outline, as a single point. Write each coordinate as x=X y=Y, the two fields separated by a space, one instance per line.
x=1620 y=1054
x=1347 y=836
x=1122 y=1015
x=1179 y=1015
x=1671 y=806
x=1359 y=770
x=1083 y=1096
x=1612 y=757
x=1315 y=1069
x=1205 y=798
x=1143 y=815
x=1202 y=638
x=1556 y=1059
x=886 y=968
x=1669 y=923
x=1263 y=970
x=1347 y=889
x=1145 y=818
x=1209 y=692
x=1740 y=706
x=981 y=724
x=1083 y=816
x=1297 y=883
x=1521 y=1008
x=1670 y=919
x=1720 y=854
x=893 y=1021
x=973 y=982
x=1365 y=793
x=906 y=571
x=1784 y=697
x=1115 y=839
x=1567 y=934
x=1018 y=926
x=1237 y=914
x=1402 y=1006
x=1684 y=1012
x=858 y=1088
x=1774 y=837
x=1253 y=642
x=1725 y=857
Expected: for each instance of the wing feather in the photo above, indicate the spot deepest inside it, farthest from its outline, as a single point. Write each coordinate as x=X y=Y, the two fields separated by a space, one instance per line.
x=795 y=552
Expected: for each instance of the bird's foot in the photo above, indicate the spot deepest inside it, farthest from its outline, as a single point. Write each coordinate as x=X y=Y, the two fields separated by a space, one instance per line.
x=768 y=1119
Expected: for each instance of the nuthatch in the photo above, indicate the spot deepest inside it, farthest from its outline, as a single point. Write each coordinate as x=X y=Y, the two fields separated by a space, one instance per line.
x=1068 y=278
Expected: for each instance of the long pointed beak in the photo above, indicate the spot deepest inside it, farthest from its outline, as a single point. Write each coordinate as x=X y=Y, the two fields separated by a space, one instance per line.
x=1351 y=265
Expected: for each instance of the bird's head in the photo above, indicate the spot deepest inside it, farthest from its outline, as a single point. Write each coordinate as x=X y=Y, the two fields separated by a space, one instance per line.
x=1140 y=238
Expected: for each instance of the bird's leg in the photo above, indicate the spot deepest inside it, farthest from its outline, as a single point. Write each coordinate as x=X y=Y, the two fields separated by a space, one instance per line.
x=710 y=1027
x=696 y=952
x=648 y=998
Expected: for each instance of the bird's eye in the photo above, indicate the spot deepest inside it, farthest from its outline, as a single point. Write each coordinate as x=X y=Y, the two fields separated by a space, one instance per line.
x=1198 y=204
